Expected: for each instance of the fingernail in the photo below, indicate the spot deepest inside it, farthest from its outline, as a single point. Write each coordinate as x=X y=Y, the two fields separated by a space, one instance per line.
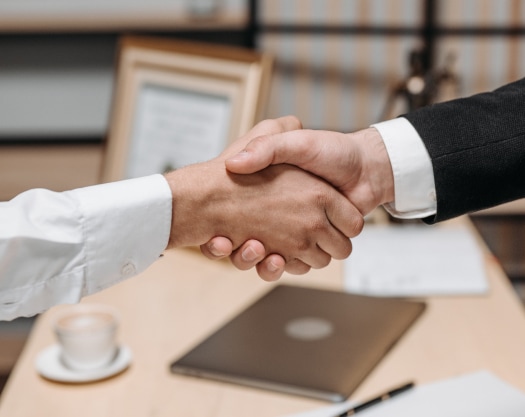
x=214 y=251
x=241 y=156
x=249 y=255
x=272 y=267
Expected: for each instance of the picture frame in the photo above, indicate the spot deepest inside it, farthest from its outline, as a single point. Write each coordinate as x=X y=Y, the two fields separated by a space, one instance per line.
x=178 y=102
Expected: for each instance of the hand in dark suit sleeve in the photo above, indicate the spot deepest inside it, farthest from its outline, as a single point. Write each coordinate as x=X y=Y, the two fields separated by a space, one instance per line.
x=477 y=148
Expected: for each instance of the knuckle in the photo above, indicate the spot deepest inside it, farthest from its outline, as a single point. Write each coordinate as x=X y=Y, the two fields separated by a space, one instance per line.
x=322 y=263
x=296 y=267
x=357 y=223
x=320 y=196
x=270 y=124
x=315 y=227
x=346 y=250
x=303 y=245
x=259 y=141
x=293 y=122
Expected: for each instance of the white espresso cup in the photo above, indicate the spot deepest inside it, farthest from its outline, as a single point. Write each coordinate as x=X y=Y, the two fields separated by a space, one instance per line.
x=87 y=336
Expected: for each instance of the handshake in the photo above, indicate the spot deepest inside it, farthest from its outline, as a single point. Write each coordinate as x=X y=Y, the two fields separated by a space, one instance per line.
x=281 y=198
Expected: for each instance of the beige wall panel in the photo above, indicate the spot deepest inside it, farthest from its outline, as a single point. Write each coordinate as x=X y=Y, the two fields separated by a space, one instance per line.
x=59 y=168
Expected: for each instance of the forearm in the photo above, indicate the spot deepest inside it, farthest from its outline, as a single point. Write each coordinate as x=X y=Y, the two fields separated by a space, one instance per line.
x=58 y=247
x=477 y=147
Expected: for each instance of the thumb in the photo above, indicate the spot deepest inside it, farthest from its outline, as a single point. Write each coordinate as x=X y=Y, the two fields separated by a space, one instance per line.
x=257 y=155
x=289 y=147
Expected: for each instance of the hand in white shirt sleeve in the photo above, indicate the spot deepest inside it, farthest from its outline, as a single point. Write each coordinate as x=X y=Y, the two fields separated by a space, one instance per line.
x=59 y=247
x=415 y=195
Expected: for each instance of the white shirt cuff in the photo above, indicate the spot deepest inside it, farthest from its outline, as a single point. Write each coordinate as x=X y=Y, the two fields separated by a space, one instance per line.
x=415 y=192
x=126 y=225
x=78 y=241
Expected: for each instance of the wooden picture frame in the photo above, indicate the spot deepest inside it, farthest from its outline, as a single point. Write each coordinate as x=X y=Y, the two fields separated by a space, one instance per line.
x=176 y=103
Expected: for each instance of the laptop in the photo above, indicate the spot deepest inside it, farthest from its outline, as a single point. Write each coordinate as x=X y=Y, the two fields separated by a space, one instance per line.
x=305 y=341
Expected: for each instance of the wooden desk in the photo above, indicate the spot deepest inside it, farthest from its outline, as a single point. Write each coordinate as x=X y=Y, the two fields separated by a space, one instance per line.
x=184 y=296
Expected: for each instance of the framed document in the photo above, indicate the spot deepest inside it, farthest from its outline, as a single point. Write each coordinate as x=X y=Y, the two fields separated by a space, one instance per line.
x=177 y=103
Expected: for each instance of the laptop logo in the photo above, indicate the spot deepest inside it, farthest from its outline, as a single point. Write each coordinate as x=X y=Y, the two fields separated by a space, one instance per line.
x=309 y=328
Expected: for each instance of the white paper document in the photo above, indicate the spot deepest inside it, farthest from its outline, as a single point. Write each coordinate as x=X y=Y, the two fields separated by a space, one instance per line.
x=479 y=394
x=174 y=128
x=411 y=260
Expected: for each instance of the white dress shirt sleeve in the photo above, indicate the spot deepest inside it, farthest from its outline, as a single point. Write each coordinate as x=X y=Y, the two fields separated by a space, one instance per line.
x=56 y=248
x=415 y=192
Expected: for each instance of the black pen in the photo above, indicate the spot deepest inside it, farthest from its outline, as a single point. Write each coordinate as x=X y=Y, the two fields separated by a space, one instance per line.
x=377 y=400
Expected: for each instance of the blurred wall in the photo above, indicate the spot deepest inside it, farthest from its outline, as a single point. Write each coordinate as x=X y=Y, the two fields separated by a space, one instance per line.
x=339 y=60
x=337 y=64
x=57 y=57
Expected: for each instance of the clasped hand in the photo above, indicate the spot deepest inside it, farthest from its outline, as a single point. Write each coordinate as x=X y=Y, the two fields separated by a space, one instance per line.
x=304 y=199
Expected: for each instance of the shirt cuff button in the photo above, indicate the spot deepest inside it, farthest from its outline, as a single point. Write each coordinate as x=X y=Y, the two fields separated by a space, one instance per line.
x=128 y=269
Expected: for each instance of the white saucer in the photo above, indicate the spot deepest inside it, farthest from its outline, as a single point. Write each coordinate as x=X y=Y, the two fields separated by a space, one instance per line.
x=50 y=366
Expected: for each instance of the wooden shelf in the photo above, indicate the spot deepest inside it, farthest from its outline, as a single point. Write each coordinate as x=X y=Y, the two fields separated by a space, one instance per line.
x=96 y=22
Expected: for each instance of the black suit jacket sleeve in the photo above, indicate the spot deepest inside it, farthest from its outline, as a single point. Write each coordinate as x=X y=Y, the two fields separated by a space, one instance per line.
x=477 y=148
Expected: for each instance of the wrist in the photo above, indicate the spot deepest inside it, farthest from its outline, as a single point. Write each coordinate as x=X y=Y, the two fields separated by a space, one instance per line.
x=191 y=189
x=377 y=169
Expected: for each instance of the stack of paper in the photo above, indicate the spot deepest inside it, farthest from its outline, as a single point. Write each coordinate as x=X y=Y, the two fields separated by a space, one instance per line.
x=415 y=261
x=480 y=394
